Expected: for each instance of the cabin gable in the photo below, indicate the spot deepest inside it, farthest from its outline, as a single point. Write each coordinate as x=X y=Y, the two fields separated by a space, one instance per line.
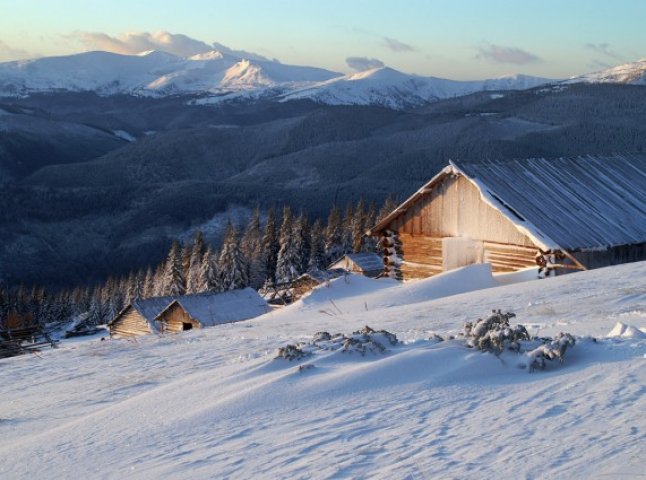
x=450 y=225
x=129 y=322
x=176 y=319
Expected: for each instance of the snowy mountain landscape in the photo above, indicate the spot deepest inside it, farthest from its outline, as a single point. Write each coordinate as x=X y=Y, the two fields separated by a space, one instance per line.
x=216 y=403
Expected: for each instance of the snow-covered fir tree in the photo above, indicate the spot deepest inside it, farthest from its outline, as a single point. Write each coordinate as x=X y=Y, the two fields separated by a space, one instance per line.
x=232 y=265
x=289 y=261
x=317 y=260
x=269 y=247
x=173 y=282
x=208 y=275
x=333 y=236
x=251 y=246
x=194 y=264
x=303 y=238
x=347 y=240
x=149 y=284
x=369 y=243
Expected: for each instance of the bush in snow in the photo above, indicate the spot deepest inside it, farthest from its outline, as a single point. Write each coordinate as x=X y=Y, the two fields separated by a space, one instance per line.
x=555 y=348
x=292 y=352
x=495 y=334
x=366 y=340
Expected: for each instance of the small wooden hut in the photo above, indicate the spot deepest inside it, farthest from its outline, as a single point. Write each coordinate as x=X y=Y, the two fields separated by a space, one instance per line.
x=138 y=317
x=209 y=309
x=555 y=215
x=368 y=264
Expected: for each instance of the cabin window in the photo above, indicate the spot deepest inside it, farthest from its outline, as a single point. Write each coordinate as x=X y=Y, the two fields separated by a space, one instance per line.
x=187 y=326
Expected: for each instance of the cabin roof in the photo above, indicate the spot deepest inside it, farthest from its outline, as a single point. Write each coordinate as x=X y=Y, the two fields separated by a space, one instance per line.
x=218 y=308
x=577 y=203
x=367 y=262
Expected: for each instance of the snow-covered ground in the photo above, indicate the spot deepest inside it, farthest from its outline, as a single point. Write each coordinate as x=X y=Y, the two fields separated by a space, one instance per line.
x=214 y=404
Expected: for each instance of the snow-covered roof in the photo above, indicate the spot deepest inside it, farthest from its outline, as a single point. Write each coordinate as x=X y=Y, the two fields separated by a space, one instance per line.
x=579 y=203
x=148 y=308
x=568 y=203
x=367 y=262
x=218 y=308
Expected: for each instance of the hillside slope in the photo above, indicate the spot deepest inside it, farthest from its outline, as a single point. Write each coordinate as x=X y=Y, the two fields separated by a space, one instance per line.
x=422 y=409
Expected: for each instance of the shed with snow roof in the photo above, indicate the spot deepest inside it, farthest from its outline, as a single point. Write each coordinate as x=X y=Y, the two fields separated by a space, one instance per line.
x=208 y=309
x=555 y=215
x=368 y=264
x=138 y=317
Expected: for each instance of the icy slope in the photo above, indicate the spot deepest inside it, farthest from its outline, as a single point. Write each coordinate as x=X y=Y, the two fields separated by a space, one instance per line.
x=149 y=73
x=633 y=73
x=213 y=403
x=390 y=88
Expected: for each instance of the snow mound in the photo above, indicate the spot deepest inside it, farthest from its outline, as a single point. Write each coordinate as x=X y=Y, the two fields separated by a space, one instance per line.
x=621 y=330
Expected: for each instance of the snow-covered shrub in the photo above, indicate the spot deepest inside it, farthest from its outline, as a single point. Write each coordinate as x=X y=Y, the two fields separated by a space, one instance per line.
x=292 y=352
x=495 y=334
x=366 y=340
x=554 y=349
x=435 y=338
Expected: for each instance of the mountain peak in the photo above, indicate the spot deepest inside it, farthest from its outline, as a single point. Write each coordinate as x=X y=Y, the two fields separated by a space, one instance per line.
x=633 y=73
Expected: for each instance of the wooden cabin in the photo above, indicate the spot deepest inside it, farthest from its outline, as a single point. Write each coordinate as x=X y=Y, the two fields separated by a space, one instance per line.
x=368 y=264
x=209 y=309
x=554 y=215
x=138 y=317
x=289 y=292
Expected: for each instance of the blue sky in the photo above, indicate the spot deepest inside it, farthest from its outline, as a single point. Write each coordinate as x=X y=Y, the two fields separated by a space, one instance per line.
x=461 y=39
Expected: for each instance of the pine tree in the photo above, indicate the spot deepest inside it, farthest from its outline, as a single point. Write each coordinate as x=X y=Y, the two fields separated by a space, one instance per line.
x=288 y=262
x=333 y=236
x=370 y=243
x=269 y=247
x=149 y=284
x=317 y=259
x=251 y=246
x=232 y=266
x=194 y=264
x=346 y=230
x=387 y=208
x=208 y=274
x=173 y=277
x=303 y=238
x=358 y=226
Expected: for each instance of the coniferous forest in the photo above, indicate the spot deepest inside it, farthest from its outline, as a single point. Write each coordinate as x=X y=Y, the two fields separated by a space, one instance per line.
x=271 y=249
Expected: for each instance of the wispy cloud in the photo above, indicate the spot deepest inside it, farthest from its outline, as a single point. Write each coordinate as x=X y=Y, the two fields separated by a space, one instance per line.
x=137 y=42
x=363 y=63
x=397 y=46
x=598 y=65
x=501 y=54
x=8 y=53
x=602 y=49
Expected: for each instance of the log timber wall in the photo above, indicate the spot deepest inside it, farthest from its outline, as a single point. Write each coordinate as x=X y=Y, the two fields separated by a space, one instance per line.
x=129 y=323
x=417 y=244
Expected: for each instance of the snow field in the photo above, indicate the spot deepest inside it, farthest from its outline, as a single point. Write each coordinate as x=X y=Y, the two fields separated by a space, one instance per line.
x=214 y=403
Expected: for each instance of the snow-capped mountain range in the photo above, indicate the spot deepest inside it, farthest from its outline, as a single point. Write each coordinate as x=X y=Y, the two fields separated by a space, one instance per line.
x=217 y=77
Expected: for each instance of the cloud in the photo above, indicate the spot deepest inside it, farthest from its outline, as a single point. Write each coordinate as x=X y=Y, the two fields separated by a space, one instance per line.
x=598 y=65
x=8 y=53
x=363 y=63
x=602 y=49
x=397 y=46
x=502 y=54
x=174 y=43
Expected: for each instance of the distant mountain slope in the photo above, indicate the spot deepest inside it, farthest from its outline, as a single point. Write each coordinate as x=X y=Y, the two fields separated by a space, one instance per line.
x=392 y=89
x=633 y=73
x=222 y=77
x=81 y=221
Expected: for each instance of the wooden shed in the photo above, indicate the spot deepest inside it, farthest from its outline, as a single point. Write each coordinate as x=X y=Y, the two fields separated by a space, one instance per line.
x=368 y=264
x=556 y=215
x=138 y=317
x=208 y=309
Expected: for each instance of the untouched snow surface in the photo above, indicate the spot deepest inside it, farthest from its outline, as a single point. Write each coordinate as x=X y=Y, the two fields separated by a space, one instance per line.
x=214 y=404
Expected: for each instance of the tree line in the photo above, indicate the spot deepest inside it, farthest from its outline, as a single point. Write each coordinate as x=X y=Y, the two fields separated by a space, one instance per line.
x=272 y=249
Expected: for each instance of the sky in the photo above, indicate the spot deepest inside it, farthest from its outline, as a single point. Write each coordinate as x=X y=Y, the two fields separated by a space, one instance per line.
x=458 y=39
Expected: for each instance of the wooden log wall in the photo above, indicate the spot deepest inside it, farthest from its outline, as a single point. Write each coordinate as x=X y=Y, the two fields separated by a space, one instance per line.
x=454 y=208
x=130 y=323
x=174 y=319
x=509 y=258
